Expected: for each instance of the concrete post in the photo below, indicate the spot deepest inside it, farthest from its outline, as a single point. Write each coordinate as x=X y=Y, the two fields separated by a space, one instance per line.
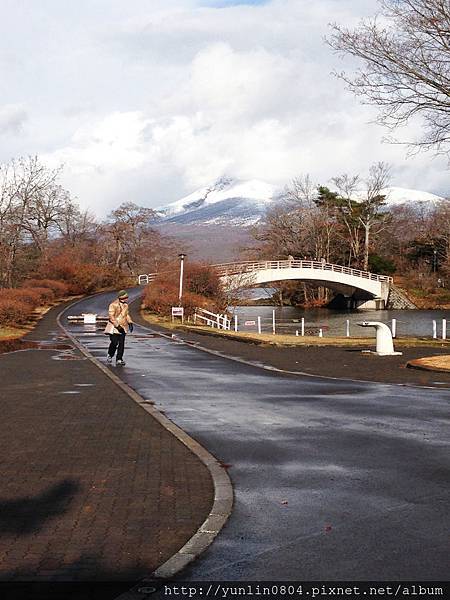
x=303 y=326
x=394 y=327
x=259 y=324
x=444 y=329
x=434 y=329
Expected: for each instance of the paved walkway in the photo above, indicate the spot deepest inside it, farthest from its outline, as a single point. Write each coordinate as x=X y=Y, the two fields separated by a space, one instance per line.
x=333 y=480
x=91 y=486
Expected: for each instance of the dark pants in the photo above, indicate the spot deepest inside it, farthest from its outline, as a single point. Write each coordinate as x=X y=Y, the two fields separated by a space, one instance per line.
x=117 y=343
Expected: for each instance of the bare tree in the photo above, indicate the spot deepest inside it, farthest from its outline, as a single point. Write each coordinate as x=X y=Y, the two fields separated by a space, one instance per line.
x=406 y=65
x=372 y=219
x=23 y=182
x=129 y=227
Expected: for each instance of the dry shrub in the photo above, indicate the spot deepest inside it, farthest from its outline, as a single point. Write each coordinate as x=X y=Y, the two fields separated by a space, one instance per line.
x=14 y=312
x=80 y=277
x=45 y=294
x=26 y=295
x=159 y=297
x=203 y=280
x=59 y=288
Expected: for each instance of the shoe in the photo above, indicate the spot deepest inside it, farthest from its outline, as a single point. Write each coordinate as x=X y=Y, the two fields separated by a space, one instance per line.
x=109 y=359
x=121 y=363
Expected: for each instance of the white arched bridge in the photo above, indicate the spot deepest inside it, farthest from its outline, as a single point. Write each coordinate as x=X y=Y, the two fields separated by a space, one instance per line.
x=360 y=288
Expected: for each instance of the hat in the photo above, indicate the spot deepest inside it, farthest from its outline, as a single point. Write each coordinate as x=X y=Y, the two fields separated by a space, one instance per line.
x=122 y=294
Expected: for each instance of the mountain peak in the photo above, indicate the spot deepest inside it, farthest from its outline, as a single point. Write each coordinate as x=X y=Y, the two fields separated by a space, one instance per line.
x=224 y=201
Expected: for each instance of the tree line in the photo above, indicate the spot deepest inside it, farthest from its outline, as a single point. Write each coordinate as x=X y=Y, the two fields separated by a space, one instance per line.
x=44 y=232
x=351 y=223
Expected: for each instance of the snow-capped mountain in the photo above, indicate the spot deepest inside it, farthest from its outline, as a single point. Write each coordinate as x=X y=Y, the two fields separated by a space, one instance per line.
x=243 y=203
x=398 y=195
x=226 y=201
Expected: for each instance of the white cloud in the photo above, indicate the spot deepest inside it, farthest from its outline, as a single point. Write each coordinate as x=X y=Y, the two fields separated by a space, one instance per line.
x=146 y=103
x=12 y=119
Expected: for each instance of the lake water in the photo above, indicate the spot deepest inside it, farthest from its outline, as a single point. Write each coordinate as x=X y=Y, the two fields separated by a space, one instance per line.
x=288 y=320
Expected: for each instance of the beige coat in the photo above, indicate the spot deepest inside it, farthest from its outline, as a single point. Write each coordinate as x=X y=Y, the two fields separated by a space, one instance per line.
x=118 y=315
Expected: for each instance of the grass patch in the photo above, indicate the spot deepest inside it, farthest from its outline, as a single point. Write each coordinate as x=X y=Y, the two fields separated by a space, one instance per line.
x=291 y=340
x=12 y=333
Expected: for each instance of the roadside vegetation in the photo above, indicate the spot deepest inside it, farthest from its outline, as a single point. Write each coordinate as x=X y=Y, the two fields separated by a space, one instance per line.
x=50 y=249
x=201 y=289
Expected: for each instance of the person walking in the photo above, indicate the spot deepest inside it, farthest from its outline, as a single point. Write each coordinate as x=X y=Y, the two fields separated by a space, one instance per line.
x=119 y=324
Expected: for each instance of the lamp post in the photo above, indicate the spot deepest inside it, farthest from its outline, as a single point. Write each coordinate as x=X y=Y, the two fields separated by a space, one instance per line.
x=182 y=257
x=434 y=261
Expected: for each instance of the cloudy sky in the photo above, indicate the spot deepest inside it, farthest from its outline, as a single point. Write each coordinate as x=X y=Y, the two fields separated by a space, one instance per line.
x=147 y=100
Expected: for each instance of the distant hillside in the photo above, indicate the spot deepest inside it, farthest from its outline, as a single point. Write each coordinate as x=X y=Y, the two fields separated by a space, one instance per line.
x=228 y=202
x=209 y=243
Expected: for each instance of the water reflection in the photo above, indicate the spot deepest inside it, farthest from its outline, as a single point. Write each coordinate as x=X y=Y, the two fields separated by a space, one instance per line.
x=409 y=322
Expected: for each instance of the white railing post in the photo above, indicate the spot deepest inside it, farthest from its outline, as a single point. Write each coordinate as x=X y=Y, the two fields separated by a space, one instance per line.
x=259 y=324
x=434 y=329
x=347 y=328
x=235 y=323
x=320 y=332
x=394 y=327
x=444 y=329
x=303 y=326
x=273 y=321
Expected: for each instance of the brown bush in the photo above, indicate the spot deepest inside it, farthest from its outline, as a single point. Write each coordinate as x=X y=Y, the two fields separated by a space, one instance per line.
x=14 y=312
x=45 y=294
x=26 y=295
x=80 y=277
x=59 y=288
x=160 y=296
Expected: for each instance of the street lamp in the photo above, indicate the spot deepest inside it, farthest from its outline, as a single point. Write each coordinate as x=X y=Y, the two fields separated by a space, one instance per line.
x=182 y=257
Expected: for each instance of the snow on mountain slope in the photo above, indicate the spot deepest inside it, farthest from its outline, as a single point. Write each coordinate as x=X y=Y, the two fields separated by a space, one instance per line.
x=225 y=201
x=243 y=203
x=398 y=195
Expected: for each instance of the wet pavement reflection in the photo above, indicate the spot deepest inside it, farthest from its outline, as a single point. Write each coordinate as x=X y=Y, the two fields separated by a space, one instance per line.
x=333 y=480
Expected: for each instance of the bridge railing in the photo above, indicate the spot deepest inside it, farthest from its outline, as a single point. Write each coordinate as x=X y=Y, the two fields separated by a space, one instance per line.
x=249 y=266
x=237 y=268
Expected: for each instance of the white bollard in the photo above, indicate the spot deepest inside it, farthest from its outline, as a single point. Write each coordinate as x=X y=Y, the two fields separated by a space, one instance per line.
x=259 y=324
x=434 y=329
x=347 y=328
x=303 y=326
x=273 y=321
x=444 y=329
x=320 y=332
x=385 y=344
x=235 y=323
x=394 y=327
x=296 y=332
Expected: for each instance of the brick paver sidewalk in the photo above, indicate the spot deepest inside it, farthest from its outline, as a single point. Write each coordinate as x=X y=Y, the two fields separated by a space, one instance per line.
x=91 y=486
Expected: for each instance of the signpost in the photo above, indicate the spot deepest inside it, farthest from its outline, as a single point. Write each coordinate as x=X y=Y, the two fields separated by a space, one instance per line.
x=178 y=311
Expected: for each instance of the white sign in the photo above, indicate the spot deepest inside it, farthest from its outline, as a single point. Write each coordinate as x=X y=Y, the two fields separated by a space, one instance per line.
x=89 y=318
x=248 y=323
x=177 y=311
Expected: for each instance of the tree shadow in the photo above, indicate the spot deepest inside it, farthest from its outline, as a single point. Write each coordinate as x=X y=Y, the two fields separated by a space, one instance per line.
x=26 y=515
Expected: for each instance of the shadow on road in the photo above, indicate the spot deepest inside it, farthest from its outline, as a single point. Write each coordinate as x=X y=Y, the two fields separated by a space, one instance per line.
x=27 y=514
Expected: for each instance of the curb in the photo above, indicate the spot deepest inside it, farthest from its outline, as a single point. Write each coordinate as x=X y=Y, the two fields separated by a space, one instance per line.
x=416 y=364
x=223 y=490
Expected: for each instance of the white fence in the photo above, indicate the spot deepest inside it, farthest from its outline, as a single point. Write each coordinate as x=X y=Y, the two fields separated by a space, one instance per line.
x=206 y=317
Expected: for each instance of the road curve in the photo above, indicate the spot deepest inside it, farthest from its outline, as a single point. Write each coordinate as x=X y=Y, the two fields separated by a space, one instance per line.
x=333 y=480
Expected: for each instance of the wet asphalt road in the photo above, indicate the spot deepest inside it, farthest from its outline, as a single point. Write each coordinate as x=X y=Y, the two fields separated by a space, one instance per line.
x=333 y=480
